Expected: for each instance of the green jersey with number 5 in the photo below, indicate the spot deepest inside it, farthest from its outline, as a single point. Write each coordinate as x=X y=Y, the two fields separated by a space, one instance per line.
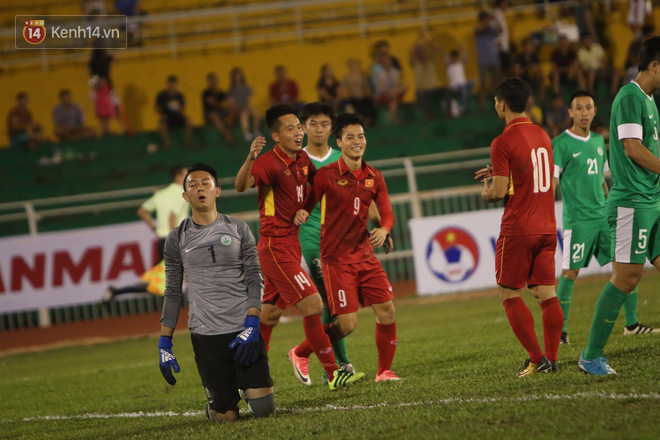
x=634 y=116
x=579 y=166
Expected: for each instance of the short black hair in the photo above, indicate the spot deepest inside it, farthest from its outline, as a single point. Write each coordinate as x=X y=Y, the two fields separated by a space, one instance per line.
x=515 y=93
x=343 y=121
x=454 y=53
x=201 y=167
x=317 y=108
x=21 y=95
x=650 y=52
x=579 y=94
x=172 y=78
x=64 y=92
x=175 y=170
x=483 y=15
x=274 y=113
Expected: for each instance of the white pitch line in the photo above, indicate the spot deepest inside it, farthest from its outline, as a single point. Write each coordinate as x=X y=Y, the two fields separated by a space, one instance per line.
x=449 y=401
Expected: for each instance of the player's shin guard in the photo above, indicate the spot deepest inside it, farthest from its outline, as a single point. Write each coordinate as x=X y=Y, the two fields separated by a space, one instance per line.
x=553 y=319
x=630 y=308
x=565 y=293
x=522 y=324
x=386 y=342
x=266 y=331
x=608 y=307
x=320 y=343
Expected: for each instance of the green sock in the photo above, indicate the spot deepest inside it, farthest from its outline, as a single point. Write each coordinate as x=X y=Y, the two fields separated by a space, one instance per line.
x=339 y=347
x=565 y=293
x=607 y=310
x=630 y=307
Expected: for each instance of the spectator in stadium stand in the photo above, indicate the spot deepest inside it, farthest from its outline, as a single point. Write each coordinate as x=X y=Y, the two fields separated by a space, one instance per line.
x=591 y=57
x=534 y=112
x=422 y=58
x=131 y=8
x=328 y=87
x=639 y=12
x=527 y=67
x=503 y=43
x=23 y=132
x=459 y=86
x=382 y=47
x=632 y=58
x=557 y=118
x=388 y=85
x=284 y=90
x=490 y=67
x=565 y=66
x=170 y=104
x=241 y=92
x=584 y=19
x=171 y=209
x=68 y=119
x=106 y=101
x=219 y=108
x=357 y=93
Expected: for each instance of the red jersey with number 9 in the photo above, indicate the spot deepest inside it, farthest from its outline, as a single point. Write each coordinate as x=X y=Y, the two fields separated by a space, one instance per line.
x=523 y=153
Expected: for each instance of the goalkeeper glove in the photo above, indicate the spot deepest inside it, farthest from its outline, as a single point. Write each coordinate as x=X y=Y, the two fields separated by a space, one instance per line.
x=247 y=342
x=167 y=359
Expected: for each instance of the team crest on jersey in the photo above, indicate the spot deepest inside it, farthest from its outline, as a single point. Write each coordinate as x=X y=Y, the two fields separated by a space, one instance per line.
x=342 y=182
x=226 y=240
x=369 y=183
x=305 y=170
x=287 y=172
x=600 y=151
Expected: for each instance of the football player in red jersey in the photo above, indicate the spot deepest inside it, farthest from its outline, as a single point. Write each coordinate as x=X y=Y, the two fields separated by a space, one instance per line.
x=352 y=274
x=525 y=253
x=281 y=176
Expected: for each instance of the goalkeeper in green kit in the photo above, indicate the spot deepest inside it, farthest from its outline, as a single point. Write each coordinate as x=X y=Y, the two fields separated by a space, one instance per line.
x=580 y=162
x=317 y=121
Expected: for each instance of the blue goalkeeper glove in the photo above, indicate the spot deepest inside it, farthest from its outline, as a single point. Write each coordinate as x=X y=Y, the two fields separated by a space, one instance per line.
x=167 y=359
x=247 y=343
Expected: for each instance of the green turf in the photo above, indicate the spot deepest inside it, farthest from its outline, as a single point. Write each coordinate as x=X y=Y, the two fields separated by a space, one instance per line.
x=458 y=360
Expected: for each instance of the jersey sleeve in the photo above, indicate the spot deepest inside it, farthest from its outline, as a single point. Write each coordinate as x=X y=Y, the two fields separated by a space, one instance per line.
x=150 y=204
x=499 y=156
x=251 y=268
x=384 y=205
x=173 y=280
x=629 y=115
x=260 y=172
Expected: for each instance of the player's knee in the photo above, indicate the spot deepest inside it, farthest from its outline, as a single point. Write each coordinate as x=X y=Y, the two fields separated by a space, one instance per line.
x=262 y=406
x=386 y=315
x=346 y=326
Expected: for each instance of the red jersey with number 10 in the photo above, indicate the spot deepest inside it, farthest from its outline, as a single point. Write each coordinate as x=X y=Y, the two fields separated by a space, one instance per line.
x=523 y=153
x=345 y=197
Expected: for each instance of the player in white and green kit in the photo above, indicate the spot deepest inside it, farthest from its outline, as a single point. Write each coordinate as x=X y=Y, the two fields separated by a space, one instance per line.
x=633 y=207
x=580 y=162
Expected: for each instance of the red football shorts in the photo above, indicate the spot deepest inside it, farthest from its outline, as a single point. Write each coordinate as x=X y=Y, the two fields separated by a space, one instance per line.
x=525 y=260
x=350 y=285
x=286 y=282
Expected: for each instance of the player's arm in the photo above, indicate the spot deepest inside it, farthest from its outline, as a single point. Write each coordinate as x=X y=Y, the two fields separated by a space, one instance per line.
x=495 y=189
x=171 y=306
x=379 y=235
x=310 y=198
x=639 y=154
x=374 y=217
x=244 y=178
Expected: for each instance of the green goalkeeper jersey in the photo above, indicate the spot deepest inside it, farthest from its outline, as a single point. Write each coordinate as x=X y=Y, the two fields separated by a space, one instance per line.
x=634 y=115
x=310 y=231
x=579 y=166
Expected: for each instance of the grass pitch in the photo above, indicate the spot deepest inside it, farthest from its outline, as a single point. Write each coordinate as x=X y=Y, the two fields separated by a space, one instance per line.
x=458 y=360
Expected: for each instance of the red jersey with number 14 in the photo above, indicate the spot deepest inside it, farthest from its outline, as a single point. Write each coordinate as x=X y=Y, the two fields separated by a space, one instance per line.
x=523 y=153
x=345 y=197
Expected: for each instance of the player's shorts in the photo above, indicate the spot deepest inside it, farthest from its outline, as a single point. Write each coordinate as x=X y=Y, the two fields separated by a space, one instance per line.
x=356 y=284
x=582 y=242
x=221 y=376
x=525 y=260
x=286 y=282
x=634 y=233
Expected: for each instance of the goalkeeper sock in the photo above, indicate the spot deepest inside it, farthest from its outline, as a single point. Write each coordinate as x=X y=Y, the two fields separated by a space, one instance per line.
x=266 y=330
x=607 y=310
x=630 y=308
x=386 y=342
x=522 y=324
x=339 y=346
x=553 y=318
x=565 y=293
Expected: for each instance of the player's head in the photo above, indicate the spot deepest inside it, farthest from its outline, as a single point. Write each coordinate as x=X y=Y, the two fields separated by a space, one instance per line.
x=349 y=131
x=200 y=187
x=649 y=56
x=511 y=94
x=582 y=109
x=178 y=173
x=285 y=128
x=317 y=118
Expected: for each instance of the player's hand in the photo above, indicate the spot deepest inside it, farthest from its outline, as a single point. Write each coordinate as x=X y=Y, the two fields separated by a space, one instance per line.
x=301 y=217
x=378 y=236
x=256 y=147
x=389 y=245
x=247 y=342
x=484 y=173
x=167 y=359
x=484 y=191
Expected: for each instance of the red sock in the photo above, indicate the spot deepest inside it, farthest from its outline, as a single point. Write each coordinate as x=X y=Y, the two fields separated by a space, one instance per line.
x=320 y=343
x=304 y=349
x=522 y=324
x=386 y=343
x=553 y=323
x=266 y=330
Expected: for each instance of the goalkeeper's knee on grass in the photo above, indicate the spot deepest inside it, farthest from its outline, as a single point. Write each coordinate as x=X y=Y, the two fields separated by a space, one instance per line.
x=262 y=406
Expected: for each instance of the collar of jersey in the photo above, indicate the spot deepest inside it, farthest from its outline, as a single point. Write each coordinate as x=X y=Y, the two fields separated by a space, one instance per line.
x=319 y=159
x=517 y=121
x=343 y=168
x=640 y=88
x=579 y=138
x=283 y=156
